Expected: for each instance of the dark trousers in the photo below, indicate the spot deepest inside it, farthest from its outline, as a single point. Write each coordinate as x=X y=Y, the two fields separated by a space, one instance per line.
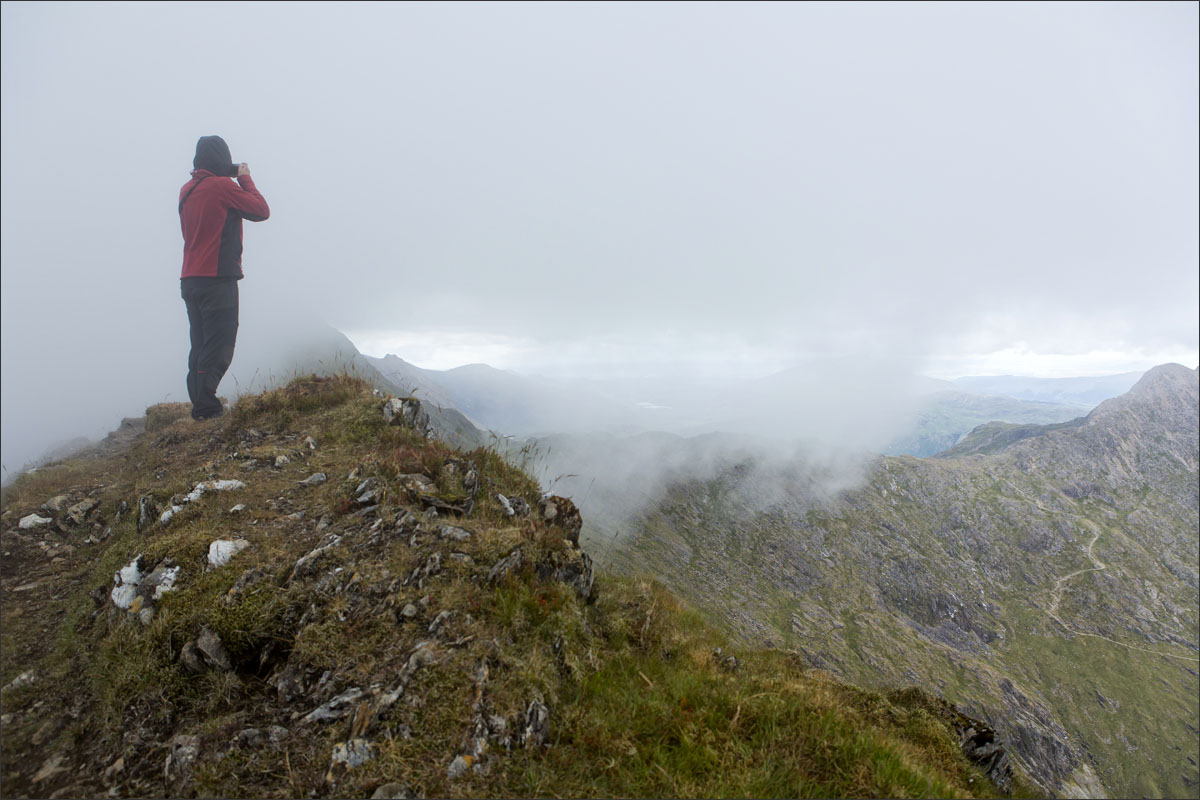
x=212 y=308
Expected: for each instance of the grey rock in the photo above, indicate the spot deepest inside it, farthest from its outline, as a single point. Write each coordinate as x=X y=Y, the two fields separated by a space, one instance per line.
x=210 y=646
x=56 y=503
x=572 y=567
x=336 y=708
x=422 y=656
x=222 y=550
x=166 y=517
x=537 y=725
x=181 y=759
x=290 y=683
x=249 y=737
x=505 y=565
x=125 y=583
x=409 y=611
x=247 y=579
x=453 y=533
x=114 y=769
x=353 y=753
x=440 y=621
x=24 y=679
x=409 y=414
x=459 y=766
x=431 y=567
x=47 y=730
x=415 y=481
x=158 y=582
x=33 y=521
x=147 y=512
x=253 y=738
x=51 y=767
x=391 y=791
x=306 y=564
x=562 y=513
x=282 y=461
x=191 y=658
x=316 y=479
x=980 y=745
x=406 y=522
x=78 y=512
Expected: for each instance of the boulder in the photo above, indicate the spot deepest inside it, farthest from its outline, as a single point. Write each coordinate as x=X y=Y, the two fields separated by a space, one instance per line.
x=505 y=565
x=78 y=512
x=56 y=503
x=220 y=551
x=160 y=581
x=561 y=513
x=210 y=646
x=572 y=567
x=125 y=583
x=409 y=414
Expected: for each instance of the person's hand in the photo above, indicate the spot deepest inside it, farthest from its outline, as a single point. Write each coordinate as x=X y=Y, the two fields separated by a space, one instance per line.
x=243 y=169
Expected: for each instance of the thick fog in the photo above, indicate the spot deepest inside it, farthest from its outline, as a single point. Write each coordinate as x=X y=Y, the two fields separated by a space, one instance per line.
x=722 y=190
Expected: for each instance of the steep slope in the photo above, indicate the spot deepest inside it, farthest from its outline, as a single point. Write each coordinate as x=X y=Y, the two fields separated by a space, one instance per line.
x=314 y=596
x=1050 y=585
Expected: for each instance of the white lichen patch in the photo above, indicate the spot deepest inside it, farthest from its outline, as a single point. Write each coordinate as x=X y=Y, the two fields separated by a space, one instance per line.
x=220 y=551
x=34 y=521
x=126 y=583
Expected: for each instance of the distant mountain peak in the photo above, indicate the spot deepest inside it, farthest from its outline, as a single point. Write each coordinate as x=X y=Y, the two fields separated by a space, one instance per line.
x=1161 y=388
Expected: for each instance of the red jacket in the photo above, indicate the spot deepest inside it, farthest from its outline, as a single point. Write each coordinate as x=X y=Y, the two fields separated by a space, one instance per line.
x=211 y=210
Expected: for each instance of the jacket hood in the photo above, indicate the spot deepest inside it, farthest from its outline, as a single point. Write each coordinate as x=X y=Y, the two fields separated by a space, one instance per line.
x=212 y=154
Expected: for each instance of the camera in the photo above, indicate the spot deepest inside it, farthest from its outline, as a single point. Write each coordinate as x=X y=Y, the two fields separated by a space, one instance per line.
x=234 y=170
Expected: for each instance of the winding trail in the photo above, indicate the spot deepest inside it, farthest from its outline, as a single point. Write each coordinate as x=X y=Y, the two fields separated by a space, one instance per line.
x=1056 y=595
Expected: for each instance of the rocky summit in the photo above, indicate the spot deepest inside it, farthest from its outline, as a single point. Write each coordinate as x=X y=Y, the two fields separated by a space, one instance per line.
x=319 y=595
x=1041 y=577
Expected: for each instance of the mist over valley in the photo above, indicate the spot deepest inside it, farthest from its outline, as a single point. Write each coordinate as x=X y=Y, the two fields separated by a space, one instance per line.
x=626 y=399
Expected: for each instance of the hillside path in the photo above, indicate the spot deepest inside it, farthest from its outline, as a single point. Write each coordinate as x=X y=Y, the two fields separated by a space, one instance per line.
x=1056 y=595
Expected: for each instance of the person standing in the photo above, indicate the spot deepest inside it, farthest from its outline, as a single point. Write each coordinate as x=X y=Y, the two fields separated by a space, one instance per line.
x=211 y=210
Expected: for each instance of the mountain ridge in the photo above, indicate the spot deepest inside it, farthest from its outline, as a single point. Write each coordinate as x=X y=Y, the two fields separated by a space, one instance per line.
x=316 y=581
x=981 y=573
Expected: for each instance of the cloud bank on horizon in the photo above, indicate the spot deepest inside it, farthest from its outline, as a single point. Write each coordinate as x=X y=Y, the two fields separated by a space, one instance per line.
x=594 y=188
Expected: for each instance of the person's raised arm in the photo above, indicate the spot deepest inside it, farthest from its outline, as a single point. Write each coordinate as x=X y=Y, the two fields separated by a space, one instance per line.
x=247 y=199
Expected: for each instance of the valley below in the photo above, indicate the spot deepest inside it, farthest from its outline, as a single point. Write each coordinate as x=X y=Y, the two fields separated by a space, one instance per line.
x=1047 y=585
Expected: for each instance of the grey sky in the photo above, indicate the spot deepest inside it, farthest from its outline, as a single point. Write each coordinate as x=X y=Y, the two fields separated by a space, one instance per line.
x=578 y=186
